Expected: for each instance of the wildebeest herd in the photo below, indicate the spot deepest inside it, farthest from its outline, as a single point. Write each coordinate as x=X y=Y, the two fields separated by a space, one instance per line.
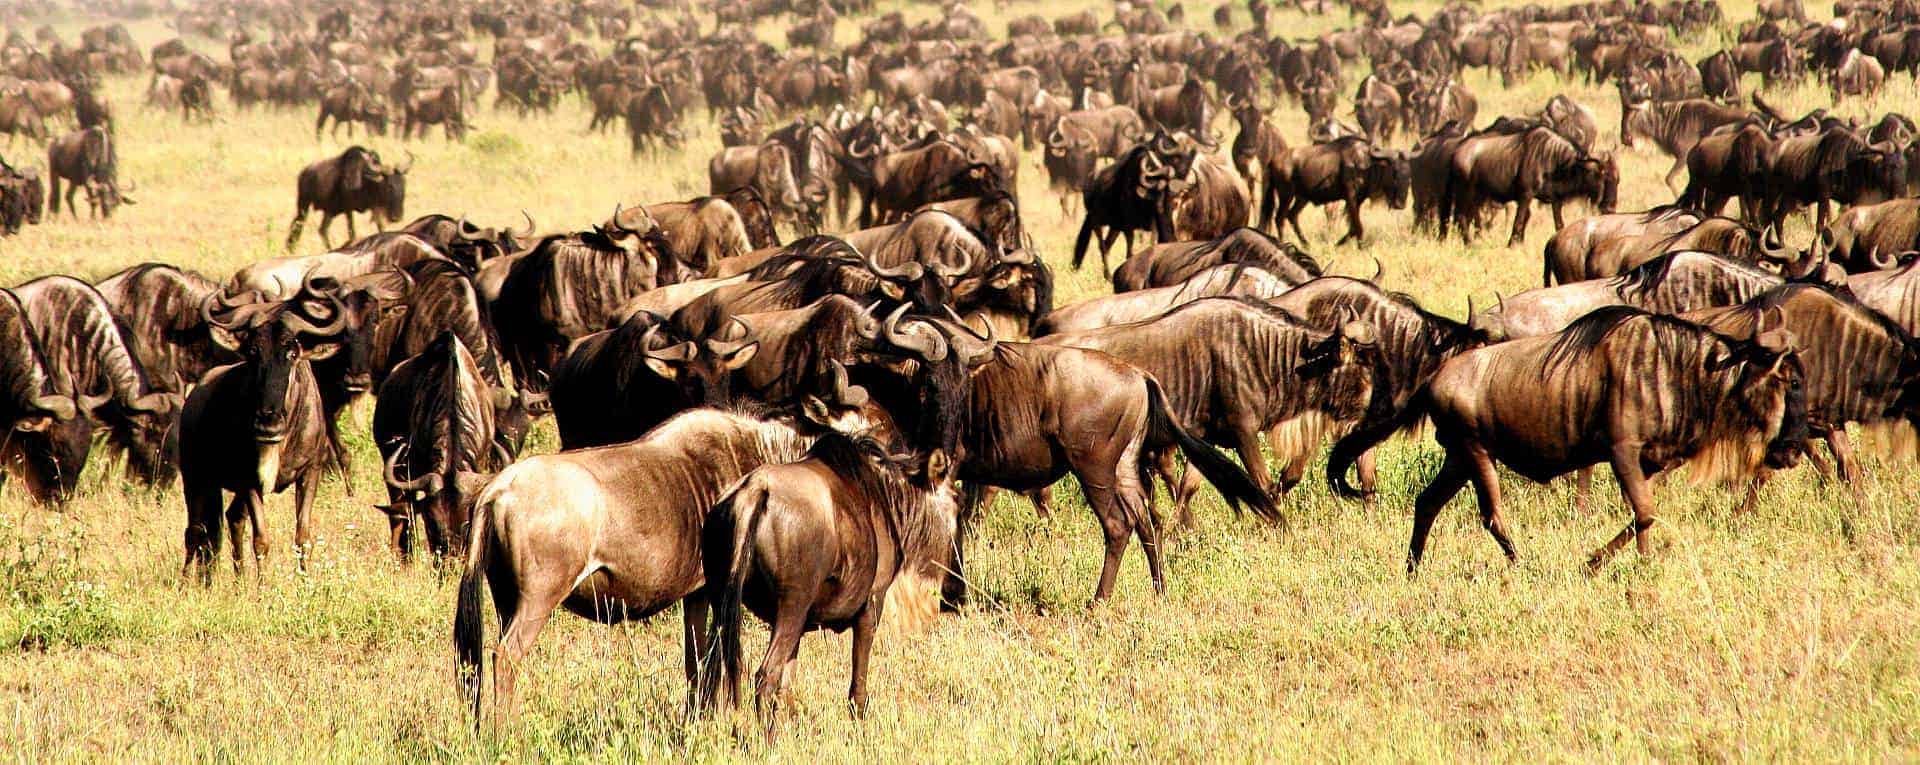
x=806 y=428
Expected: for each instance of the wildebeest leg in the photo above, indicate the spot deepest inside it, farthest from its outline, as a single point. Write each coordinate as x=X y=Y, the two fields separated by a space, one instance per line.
x=1558 y=221
x=325 y=229
x=864 y=627
x=1106 y=508
x=321 y=123
x=1452 y=477
x=203 y=531
x=1847 y=466
x=1486 y=488
x=1582 y=489
x=520 y=623
x=71 y=210
x=694 y=647
x=1522 y=212
x=1369 y=472
x=1293 y=216
x=1042 y=499
x=1753 y=492
x=953 y=591
x=1355 y=232
x=770 y=682
x=302 y=532
x=1633 y=485
x=1679 y=163
x=237 y=512
x=352 y=235
x=1180 y=491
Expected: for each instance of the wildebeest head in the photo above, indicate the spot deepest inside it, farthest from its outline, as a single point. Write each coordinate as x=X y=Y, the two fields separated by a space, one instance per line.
x=704 y=367
x=1389 y=176
x=1767 y=390
x=1344 y=364
x=1596 y=178
x=273 y=339
x=390 y=184
x=362 y=301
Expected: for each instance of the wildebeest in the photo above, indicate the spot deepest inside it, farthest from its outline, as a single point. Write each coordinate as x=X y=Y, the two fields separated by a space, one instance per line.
x=350 y=103
x=1348 y=170
x=444 y=106
x=158 y=308
x=822 y=543
x=1133 y=193
x=86 y=160
x=896 y=183
x=28 y=400
x=1038 y=412
x=1858 y=75
x=1834 y=164
x=1669 y=284
x=1673 y=126
x=568 y=286
x=1859 y=366
x=1377 y=107
x=611 y=534
x=434 y=426
x=1232 y=368
x=265 y=432
x=1872 y=237
x=1214 y=202
x=1535 y=164
x=89 y=359
x=1172 y=263
x=1729 y=163
x=355 y=181
x=1233 y=279
x=1644 y=393
x=1598 y=246
x=766 y=168
x=1719 y=78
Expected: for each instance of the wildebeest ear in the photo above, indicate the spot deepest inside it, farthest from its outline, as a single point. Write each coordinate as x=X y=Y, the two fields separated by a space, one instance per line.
x=322 y=351
x=939 y=467
x=32 y=424
x=815 y=411
x=665 y=369
x=224 y=338
x=741 y=356
x=1718 y=360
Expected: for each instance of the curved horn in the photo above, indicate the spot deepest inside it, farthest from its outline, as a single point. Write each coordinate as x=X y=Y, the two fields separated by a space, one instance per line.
x=429 y=483
x=966 y=266
x=911 y=271
x=926 y=342
x=1501 y=300
x=300 y=324
x=1378 y=270
x=409 y=166
x=61 y=407
x=519 y=235
x=677 y=353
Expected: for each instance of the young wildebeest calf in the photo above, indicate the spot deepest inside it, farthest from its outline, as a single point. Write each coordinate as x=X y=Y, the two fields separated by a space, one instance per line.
x=1642 y=392
x=822 y=543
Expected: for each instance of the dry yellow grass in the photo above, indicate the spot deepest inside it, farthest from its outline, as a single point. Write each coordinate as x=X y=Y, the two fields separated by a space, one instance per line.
x=1774 y=637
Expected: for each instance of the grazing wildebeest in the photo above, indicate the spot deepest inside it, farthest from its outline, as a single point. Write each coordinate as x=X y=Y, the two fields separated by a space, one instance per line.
x=355 y=181
x=1719 y=77
x=89 y=359
x=1168 y=264
x=832 y=541
x=1348 y=170
x=434 y=422
x=1232 y=368
x=257 y=426
x=86 y=160
x=610 y=533
x=29 y=402
x=350 y=103
x=1535 y=164
x=444 y=106
x=158 y=307
x=1644 y=393
x=701 y=232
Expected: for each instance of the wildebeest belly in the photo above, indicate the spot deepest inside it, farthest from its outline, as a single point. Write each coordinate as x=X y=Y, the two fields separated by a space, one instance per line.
x=1539 y=427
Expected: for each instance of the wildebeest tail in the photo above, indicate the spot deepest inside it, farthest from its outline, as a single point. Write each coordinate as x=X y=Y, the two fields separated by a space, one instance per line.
x=727 y=552
x=1230 y=479
x=1368 y=435
x=467 y=620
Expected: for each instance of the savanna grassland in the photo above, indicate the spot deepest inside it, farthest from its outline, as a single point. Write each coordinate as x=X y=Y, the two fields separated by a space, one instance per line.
x=1793 y=634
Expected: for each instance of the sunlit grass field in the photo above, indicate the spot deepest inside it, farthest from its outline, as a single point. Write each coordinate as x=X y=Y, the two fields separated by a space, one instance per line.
x=1777 y=636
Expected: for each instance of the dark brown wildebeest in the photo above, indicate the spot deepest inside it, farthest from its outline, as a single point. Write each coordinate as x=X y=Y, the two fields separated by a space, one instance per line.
x=1719 y=78
x=569 y=286
x=1536 y=164
x=86 y=160
x=1348 y=170
x=444 y=106
x=1669 y=284
x=350 y=103
x=1860 y=366
x=88 y=359
x=701 y=232
x=1168 y=264
x=767 y=169
x=651 y=116
x=158 y=307
x=1232 y=368
x=1673 y=126
x=29 y=402
x=1644 y=393
x=1134 y=193
x=1874 y=237
x=1213 y=203
x=266 y=432
x=611 y=534
x=1430 y=164
x=1858 y=75
x=1834 y=164
x=434 y=422
x=833 y=541
x=897 y=183
x=1038 y=412
x=355 y=181
x=1230 y=280
x=1259 y=148
x=465 y=243
x=1729 y=163
x=755 y=214
x=1183 y=107
x=1440 y=100
x=996 y=217
x=19 y=117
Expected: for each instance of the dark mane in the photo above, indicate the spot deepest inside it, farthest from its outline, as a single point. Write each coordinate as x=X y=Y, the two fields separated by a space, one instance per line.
x=1586 y=333
x=1648 y=276
x=1254 y=247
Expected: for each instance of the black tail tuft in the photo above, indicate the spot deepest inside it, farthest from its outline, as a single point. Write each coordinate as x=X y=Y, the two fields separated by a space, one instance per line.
x=1229 y=478
x=1364 y=438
